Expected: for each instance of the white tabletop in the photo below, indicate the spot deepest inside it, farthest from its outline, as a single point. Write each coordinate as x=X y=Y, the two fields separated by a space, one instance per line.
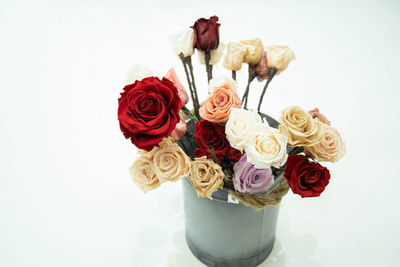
x=66 y=198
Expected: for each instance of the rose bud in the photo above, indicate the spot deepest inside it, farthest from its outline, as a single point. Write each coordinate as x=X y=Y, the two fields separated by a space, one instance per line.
x=261 y=69
x=171 y=75
x=234 y=56
x=182 y=42
x=279 y=57
x=137 y=73
x=215 y=54
x=206 y=34
x=180 y=130
x=254 y=48
x=317 y=115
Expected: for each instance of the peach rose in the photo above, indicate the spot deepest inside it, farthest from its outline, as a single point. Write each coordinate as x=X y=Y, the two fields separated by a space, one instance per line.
x=219 y=103
x=321 y=117
x=171 y=75
x=170 y=162
x=206 y=176
x=143 y=175
x=331 y=148
x=300 y=128
x=180 y=130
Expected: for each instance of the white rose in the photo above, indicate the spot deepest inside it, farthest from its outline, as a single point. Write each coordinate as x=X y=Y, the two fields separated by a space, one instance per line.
x=221 y=81
x=137 y=73
x=266 y=147
x=215 y=54
x=240 y=125
x=182 y=42
x=234 y=56
x=279 y=57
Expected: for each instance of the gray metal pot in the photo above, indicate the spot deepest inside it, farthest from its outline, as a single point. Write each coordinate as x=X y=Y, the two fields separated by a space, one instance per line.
x=225 y=234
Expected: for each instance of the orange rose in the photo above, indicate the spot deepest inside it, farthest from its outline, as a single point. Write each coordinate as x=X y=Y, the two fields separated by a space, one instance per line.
x=222 y=99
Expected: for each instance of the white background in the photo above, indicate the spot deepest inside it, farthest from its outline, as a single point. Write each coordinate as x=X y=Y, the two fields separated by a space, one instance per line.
x=66 y=198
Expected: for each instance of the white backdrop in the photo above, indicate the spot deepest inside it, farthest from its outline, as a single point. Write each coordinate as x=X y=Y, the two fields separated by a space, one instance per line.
x=66 y=198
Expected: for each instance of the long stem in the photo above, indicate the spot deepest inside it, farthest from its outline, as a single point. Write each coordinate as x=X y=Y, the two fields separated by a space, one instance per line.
x=246 y=93
x=197 y=107
x=183 y=59
x=271 y=75
x=207 y=57
x=234 y=75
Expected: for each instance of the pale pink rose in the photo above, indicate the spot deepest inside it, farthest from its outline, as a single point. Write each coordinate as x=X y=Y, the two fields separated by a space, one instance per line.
x=179 y=130
x=220 y=102
x=261 y=68
x=321 y=117
x=171 y=75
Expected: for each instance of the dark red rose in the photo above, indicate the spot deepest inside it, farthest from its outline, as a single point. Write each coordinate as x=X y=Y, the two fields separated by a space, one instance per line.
x=235 y=155
x=306 y=178
x=212 y=134
x=148 y=111
x=206 y=34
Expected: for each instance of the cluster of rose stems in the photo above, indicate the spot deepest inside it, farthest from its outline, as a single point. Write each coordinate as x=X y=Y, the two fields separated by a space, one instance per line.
x=253 y=75
x=188 y=67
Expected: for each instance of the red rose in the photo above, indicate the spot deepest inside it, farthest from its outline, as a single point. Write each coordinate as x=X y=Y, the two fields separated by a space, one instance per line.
x=212 y=134
x=148 y=111
x=206 y=34
x=306 y=178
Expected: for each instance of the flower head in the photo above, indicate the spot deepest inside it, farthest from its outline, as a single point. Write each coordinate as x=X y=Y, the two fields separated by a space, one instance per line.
x=248 y=179
x=300 y=128
x=219 y=103
x=206 y=177
x=206 y=33
x=306 y=178
x=182 y=42
x=254 y=48
x=279 y=57
x=235 y=56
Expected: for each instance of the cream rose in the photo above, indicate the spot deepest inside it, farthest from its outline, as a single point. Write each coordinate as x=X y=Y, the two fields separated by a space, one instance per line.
x=266 y=147
x=219 y=103
x=215 y=55
x=170 y=162
x=143 y=175
x=254 y=49
x=234 y=56
x=137 y=73
x=240 y=125
x=331 y=148
x=279 y=57
x=300 y=128
x=182 y=42
x=206 y=176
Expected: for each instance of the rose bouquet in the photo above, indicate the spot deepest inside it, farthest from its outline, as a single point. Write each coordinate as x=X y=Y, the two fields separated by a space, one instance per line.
x=219 y=143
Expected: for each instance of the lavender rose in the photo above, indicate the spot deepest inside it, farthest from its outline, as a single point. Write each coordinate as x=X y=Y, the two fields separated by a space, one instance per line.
x=248 y=179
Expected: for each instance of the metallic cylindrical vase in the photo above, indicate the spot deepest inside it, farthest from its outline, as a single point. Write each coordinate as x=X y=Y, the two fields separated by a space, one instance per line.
x=221 y=233
x=225 y=234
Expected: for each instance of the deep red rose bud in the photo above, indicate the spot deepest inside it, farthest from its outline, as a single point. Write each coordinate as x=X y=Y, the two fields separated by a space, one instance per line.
x=148 y=111
x=206 y=34
x=306 y=178
x=212 y=134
